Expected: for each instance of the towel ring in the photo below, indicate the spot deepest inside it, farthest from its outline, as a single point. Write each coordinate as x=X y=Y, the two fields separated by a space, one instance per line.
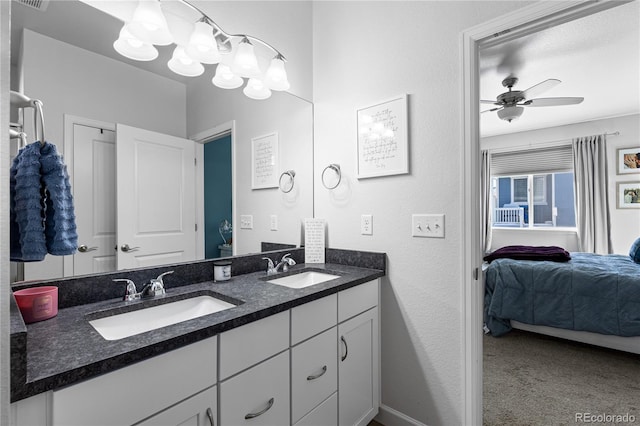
x=335 y=172
x=287 y=181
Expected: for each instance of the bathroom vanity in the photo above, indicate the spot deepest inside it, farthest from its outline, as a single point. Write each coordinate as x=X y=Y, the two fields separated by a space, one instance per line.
x=280 y=355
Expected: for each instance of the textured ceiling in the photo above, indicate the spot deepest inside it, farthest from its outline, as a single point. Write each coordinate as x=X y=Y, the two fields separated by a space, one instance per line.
x=595 y=57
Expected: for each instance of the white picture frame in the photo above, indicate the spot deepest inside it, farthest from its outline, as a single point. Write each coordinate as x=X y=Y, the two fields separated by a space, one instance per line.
x=627 y=157
x=628 y=195
x=382 y=135
x=264 y=161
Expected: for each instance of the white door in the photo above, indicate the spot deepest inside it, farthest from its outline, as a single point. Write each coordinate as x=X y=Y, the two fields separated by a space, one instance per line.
x=156 y=198
x=94 y=173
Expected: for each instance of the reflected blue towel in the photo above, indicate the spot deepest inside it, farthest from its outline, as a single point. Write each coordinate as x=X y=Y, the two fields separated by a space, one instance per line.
x=60 y=220
x=42 y=218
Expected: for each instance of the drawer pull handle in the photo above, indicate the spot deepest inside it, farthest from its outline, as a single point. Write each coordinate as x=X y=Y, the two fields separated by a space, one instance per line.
x=254 y=415
x=346 y=348
x=315 y=376
x=210 y=416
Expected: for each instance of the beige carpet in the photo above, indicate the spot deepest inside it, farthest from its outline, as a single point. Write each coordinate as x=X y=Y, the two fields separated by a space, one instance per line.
x=530 y=379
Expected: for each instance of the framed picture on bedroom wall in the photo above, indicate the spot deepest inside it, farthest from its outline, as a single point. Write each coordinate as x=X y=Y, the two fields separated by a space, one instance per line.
x=628 y=160
x=628 y=195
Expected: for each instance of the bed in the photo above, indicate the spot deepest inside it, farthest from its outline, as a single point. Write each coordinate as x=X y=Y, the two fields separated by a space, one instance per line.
x=590 y=298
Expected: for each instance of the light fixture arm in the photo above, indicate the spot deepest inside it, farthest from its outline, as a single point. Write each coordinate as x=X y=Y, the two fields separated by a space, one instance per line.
x=219 y=31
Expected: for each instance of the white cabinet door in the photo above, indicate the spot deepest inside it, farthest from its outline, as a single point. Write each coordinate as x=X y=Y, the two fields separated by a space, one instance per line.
x=314 y=375
x=94 y=193
x=199 y=410
x=258 y=396
x=156 y=198
x=358 y=395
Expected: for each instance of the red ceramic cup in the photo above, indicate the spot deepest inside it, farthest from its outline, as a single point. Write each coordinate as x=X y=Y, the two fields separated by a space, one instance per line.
x=37 y=303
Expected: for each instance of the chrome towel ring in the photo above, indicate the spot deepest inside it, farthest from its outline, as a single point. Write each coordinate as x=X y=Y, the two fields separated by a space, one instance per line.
x=331 y=176
x=287 y=181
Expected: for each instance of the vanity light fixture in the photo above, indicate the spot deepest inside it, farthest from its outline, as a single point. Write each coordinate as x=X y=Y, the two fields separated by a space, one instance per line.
x=201 y=42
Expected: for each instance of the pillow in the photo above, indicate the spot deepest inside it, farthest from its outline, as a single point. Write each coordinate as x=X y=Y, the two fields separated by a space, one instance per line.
x=634 y=253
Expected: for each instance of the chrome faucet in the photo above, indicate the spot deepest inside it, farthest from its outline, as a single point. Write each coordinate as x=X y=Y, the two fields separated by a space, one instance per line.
x=153 y=288
x=285 y=262
x=131 y=293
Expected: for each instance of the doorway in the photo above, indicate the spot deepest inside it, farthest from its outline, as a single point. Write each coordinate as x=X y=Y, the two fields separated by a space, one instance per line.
x=524 y=21
x=218 y=197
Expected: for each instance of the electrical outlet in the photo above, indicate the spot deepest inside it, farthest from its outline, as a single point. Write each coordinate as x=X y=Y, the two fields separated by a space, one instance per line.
x=427 y=225
x=366 y=224
x=246 y=221
x=274 y=222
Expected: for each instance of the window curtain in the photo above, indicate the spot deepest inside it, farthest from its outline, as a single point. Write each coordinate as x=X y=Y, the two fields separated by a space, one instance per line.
x=485 y=199
x=591 y=195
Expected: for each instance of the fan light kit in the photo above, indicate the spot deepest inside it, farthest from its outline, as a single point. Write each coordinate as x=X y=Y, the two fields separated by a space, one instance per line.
x=197 y=43
x=511 y=104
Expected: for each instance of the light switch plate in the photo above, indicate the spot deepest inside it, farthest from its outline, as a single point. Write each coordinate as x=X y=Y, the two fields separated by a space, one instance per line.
x=274 y=222
x=427 y=225
x=246 y=221
x=366 y=224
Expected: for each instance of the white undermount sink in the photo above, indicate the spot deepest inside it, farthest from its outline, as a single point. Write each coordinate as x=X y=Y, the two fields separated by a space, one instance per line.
x=303 y=279
x=135 y=322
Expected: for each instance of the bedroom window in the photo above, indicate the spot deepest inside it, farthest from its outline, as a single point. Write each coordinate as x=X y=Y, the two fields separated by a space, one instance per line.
x=533 y=189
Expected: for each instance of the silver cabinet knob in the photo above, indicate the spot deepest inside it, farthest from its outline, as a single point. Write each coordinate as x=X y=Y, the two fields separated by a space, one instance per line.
x=125 y=248
x=83 y=249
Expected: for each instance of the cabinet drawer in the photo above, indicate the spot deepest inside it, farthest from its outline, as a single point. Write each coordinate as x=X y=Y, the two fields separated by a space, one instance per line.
x=314 y=368
x=325 y=414
x=262 y=391
x=245 y=346
x=312 y=318
x=355 y=300
x=130 y=394
x=199 y=410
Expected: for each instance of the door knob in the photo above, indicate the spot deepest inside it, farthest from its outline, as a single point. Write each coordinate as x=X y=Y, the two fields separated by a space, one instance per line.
x=83 y=248
x=125 y=248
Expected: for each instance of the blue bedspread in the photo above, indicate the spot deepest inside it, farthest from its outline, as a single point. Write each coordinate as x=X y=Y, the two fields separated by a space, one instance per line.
x=597 y=293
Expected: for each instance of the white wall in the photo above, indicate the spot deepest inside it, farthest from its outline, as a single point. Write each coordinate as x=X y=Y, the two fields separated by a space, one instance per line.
x=292 y=119
x=366 y=52
x=625 y=223
x=70 y=80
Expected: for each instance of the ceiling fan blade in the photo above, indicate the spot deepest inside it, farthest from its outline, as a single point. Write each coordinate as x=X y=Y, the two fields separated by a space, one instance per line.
x=490 y=110
x=534 y=91
x=483 y=101
x=543 y=102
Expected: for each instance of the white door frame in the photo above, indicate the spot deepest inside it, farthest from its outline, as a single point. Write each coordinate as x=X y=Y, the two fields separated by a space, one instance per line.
x=523 y=21
x=68 y=141
x=201 y=138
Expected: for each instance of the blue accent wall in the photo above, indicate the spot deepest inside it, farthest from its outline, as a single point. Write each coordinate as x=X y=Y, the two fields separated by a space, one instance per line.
x=217 y=192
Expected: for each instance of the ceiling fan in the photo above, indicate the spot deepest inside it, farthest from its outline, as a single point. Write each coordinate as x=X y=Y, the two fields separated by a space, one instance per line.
x=511 y=104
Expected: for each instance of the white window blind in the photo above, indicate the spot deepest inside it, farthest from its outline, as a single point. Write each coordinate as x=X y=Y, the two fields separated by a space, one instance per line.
x=532 y=161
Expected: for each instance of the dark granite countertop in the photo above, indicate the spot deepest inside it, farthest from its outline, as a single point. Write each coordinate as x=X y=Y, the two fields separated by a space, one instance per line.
x=66 y=349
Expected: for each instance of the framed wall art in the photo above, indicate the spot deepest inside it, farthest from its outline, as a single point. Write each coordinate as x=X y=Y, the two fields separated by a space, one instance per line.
x=628 y=160
x=628 y=195
x=264 y=161
x=382 y=139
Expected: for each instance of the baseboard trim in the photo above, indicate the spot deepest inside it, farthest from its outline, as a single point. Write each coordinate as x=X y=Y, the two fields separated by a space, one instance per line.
x=390 y=417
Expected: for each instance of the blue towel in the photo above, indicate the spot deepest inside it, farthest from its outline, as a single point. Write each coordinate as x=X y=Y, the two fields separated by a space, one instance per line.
x=42 y=218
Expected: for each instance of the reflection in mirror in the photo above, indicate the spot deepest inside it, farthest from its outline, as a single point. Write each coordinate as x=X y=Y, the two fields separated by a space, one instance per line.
x=108 y=117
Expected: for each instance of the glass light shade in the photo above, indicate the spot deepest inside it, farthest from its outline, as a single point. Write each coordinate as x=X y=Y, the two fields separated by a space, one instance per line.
x=245 y=63
x=510 y=113
x=225 y=78
x=149 y=24
x=182 y=64
x=130 y=47
x=276 y=76
x=255 y=89
x=202 y=45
